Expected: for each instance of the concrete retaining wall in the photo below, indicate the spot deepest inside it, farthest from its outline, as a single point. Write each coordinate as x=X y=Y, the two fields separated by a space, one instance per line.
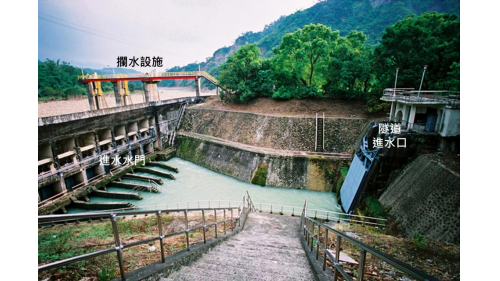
x=311 y=173
x=287 y=133
x=425 y=197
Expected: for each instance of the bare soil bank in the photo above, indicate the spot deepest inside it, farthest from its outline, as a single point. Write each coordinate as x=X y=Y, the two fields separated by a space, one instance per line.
x=303 y=108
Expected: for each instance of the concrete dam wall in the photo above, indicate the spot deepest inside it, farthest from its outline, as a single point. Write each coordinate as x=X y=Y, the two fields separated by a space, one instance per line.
x=286 y=133
x=303 y=172
x=425 y=197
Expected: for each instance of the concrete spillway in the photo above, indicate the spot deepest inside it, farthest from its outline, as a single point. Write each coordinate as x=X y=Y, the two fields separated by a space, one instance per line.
x=155 y=172
x=102 y=205
x=138 y=187
x=118 y=195
x=163 y=165
x=143 y=178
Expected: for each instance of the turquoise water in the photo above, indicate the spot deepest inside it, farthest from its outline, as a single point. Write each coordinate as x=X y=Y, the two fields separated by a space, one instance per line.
x=194 y=183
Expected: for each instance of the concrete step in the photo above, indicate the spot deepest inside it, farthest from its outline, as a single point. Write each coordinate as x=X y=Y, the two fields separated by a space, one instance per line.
x=273 y=243
x=182 y=275
x=266 y=268
x=263 y=263
x=286 y=254
x=267 y=249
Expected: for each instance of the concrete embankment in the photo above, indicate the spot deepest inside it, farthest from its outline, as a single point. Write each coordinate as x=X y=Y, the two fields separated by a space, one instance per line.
x=284 y=133
x=268 y=167
x=425 y=198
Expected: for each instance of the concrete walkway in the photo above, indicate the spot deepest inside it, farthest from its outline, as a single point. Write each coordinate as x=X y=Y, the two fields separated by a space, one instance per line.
x=268 y=248
x=265 y=150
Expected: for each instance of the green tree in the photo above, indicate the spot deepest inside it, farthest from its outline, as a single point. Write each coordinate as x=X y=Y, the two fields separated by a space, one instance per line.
x=300 y=61
x=239 y=74
x=58 y=79
x=350 y=68
x=431 y=39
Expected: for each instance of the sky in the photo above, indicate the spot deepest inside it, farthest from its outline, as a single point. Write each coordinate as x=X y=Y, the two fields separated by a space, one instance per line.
x=92 y=33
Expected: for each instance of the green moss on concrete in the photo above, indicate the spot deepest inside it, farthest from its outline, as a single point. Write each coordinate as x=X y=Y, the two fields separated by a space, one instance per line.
x=260 y=175
x=373 y=208
x=343 y=174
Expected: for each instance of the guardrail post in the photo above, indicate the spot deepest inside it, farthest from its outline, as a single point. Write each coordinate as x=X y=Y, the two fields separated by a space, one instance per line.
x=215 y=213
x=232 y=222
x=337 y=256
x=361 y=270
x=326 y=248
x=187 y=230
x=311 y=235
x=160 y=232
x=239 y=216
x=306 y=230
x=204 y=227
x=317 y=243
x=118 y=247
x=224 y=221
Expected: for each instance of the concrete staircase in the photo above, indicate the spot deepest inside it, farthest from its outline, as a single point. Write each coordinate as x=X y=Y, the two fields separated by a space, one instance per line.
x=268 y=248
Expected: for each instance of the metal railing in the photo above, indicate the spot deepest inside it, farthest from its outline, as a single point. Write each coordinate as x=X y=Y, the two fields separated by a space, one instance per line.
x=203 y=74
x=320 y=214
x=243 y=208
x=419 y=127
x=311 y=229
x=442 y=97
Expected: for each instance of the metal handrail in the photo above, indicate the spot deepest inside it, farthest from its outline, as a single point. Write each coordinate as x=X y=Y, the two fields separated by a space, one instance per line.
x=165 y=206
x=242 y=210
x=322 y=214
x=203 y=74
x=419 y=127
x=308 y=223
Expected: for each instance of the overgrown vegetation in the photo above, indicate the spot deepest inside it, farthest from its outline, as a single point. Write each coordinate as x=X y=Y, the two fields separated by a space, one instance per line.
x=66 y=241
x=316 y=61
x=440 y=260
x=260 y=175
x=343 y=174
x=373 y=208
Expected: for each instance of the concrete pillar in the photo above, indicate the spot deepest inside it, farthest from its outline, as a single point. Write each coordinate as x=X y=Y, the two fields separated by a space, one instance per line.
x=62 y=183
x=119 y=92
x=90 y=90
x=217 y=90
x=84 y=175
x=411 y=117
x=197 y=82
x=391 y=114
x=150 y=90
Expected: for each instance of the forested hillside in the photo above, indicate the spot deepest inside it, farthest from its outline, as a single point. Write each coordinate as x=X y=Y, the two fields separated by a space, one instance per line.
x=58 y=79
x=369 y=16
x=316 y=61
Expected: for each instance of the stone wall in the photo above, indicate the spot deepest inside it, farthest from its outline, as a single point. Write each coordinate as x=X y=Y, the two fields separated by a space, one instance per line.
x=302 y=172
x=425 y=197
x=287 y=133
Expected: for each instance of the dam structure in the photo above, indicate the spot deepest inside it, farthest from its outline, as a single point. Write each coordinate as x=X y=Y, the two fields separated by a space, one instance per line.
x=90 y=154
x=84 y=153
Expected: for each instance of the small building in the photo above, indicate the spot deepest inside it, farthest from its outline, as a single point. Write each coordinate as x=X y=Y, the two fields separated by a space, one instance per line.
x=425 y=111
